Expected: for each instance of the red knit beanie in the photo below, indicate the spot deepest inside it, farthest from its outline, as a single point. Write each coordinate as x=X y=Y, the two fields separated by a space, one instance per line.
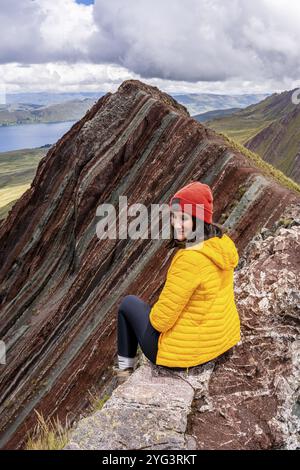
x=196 y=193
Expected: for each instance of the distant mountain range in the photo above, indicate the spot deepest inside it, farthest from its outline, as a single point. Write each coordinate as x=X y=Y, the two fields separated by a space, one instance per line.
x=45 y=98
x=209 y=115
x=198 y=103
x=270 y=128
x=23 y=108
x=29 y=113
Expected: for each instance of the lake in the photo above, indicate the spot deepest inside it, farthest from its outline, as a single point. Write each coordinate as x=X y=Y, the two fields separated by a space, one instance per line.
x=32 y=135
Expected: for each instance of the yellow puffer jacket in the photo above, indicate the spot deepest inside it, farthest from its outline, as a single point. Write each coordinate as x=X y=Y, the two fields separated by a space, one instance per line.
x=196 y=311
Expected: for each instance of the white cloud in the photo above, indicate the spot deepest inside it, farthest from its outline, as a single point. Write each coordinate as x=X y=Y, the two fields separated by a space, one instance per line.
x=199 y=40
x=66 y=27
x=44 y=30
x=63 y=77
x=82 y=76
x=193 y=45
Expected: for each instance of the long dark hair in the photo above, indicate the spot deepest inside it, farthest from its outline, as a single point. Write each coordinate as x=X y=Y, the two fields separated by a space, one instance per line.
x=209 y=231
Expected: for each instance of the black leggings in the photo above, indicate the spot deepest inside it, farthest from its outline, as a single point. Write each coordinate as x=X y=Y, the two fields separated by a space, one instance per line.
x=134 y=327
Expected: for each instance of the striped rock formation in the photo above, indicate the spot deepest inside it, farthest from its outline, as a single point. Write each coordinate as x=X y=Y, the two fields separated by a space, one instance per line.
x=61 y=285
x=247 y=398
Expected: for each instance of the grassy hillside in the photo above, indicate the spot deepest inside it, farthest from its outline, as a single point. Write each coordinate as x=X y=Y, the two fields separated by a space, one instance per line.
x=270 y=128
x=265 y=166
x=17 y=170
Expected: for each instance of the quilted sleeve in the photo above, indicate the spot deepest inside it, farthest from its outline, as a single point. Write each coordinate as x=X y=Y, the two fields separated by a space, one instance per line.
x=182 y=279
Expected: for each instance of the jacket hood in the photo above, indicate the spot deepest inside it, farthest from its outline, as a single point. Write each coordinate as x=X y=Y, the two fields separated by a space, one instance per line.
x=222 y=251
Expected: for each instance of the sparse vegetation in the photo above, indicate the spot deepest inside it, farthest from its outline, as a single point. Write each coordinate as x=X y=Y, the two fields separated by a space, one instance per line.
x=269 y=128
x=285 y=222
x=51 y=434
x=96 y=402
x=267 y=167
x=17 y=170
x=48 y=434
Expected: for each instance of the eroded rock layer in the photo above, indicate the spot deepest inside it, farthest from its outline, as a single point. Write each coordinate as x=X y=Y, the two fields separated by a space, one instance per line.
x=61 y=285
x=247 y=398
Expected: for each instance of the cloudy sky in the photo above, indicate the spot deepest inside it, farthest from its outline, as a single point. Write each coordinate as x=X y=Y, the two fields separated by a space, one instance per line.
x=217 y=46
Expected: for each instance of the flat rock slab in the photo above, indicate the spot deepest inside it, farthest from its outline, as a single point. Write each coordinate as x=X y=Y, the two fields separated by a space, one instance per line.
x=148 y=411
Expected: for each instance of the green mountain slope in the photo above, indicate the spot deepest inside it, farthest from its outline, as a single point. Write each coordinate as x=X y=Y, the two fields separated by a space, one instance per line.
x=17 y=170
x=270 y=128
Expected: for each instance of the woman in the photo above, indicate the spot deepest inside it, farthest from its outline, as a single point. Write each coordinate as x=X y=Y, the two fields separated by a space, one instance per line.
x=195 y=318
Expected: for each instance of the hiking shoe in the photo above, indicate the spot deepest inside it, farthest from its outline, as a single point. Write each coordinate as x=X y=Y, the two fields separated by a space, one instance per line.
x=122 y=374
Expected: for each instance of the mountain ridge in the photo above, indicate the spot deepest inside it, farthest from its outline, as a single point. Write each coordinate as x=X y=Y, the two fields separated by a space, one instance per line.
x=61 y=286
x=270 y=129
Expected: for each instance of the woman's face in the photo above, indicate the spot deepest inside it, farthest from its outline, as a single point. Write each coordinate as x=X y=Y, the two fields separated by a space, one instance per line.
x=182 y=223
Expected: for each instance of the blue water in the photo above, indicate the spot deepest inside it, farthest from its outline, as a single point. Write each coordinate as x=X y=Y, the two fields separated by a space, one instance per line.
x=27 y=136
